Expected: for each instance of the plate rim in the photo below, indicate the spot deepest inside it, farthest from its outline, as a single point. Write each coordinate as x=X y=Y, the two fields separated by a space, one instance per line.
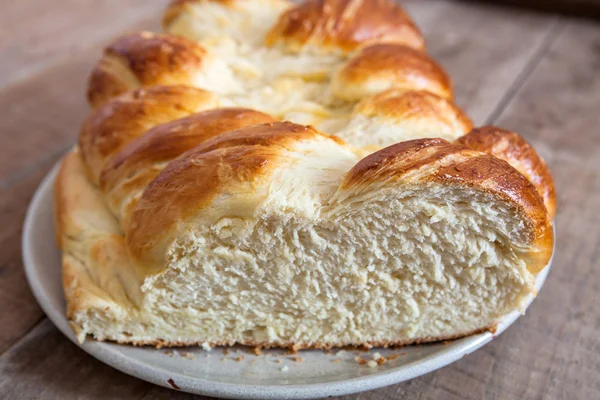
x=104 y=351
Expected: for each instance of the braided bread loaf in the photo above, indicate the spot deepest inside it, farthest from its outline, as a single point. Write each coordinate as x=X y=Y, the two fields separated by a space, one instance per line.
x=190 y=212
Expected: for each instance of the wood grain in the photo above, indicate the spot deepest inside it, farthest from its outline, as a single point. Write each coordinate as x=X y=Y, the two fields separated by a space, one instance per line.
x=20 y=311
x=25 y=372
x=533 y=73
x=35 y=34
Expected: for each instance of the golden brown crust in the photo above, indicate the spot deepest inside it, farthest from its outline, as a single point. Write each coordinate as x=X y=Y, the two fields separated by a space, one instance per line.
x=514 y=149
x=94 y=257
x=107 y=129
x=219 y=166
x=96 y=273
x=397 y=104
x=167 y=141
x=59 y=203
x=451 y=164
x=344 y=25
x=176 y=7
x=138 y=163
x=143 y=59
x=398 y=159
x=159 y=343
x=69 y=196
x=395 y=66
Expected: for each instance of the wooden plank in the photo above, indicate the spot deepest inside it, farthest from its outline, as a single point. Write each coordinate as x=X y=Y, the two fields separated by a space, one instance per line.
x=35 y=34
x=483 y=47
x=45 y=365
x=20 y=312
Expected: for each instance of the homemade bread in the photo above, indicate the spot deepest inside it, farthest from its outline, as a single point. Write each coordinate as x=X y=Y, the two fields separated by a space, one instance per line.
x=190 y=214
x=278 y=235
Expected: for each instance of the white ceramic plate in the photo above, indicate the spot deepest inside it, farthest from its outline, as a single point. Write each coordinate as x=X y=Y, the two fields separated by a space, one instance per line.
x=272 y=375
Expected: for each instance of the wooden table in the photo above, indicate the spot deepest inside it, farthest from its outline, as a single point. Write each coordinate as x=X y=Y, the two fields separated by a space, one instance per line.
x=537 y=74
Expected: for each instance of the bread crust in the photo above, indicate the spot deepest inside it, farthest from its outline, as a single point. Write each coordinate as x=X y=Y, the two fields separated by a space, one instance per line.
x=177 y=7
x=344 y=25
x=400 y=105
x=139 y=162
x=96 y=271
x=439 y=161
x=393 y=65
x=110 y=127
x=143 y=59
x=314 y=346
x=514 y=149
x=168 y=141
